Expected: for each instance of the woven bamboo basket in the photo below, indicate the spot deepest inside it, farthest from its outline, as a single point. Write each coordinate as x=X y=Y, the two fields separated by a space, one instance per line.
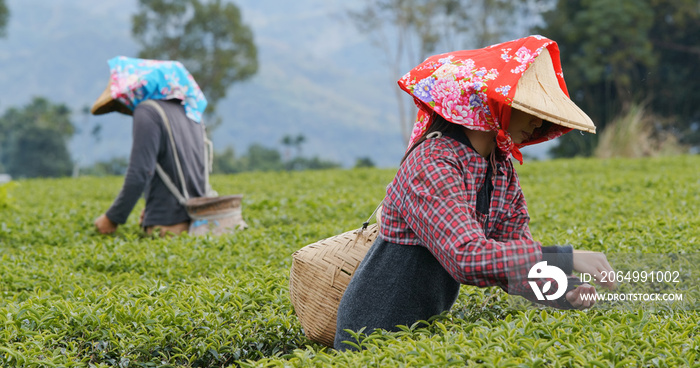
x=320 y=274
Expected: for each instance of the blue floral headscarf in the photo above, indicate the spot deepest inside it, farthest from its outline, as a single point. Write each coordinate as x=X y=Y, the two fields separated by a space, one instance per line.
x=136 y=80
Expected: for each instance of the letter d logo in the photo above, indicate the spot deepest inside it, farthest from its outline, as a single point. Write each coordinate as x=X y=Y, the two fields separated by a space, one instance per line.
x=542 y=271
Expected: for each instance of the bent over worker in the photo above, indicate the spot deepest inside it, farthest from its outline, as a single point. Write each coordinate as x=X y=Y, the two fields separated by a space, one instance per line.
x=132 y=82
x=455 y=212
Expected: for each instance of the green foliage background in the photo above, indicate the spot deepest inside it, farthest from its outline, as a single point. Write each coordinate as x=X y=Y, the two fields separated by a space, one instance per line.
x=69 y=297
x=619 y=53
x=4 y=14
x=33 y=140
x=208 y=37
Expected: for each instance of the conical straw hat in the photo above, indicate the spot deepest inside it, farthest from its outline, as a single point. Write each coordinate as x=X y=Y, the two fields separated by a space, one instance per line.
x=538 y=93
x=105 y=103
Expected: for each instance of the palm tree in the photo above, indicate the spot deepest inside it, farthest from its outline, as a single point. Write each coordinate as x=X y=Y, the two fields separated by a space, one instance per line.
x=287 y=142
x=297 y=143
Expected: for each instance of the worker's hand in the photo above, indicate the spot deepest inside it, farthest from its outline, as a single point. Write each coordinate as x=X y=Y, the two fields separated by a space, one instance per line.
x=105 y=225
x=143 y=212
x=581 y=297
x=596 y=265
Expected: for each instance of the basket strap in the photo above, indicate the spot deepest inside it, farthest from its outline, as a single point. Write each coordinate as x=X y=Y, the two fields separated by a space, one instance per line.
x=366 y=223
x=181 y=196
x=208 y=164
x=171 y=186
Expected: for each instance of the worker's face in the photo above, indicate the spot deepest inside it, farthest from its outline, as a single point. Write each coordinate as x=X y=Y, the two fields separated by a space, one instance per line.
x=522 y=125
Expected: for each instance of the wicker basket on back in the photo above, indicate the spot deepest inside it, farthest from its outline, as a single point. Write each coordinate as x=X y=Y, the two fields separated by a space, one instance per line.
x=320 y=274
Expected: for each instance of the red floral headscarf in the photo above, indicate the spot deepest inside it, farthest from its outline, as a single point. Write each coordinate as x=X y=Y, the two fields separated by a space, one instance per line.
x=475 y=88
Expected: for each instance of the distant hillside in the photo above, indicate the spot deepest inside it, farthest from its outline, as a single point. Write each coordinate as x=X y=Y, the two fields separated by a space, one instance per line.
x=317 y=77
x=310 y=81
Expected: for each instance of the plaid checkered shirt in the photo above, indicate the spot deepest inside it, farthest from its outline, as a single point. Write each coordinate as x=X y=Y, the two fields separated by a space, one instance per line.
x=432 y=202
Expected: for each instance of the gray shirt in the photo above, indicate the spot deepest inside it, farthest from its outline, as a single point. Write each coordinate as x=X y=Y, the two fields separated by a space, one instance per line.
x=151 y=144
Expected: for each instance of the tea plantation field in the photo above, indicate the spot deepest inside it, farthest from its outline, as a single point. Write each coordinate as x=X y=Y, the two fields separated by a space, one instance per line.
x=70 y=297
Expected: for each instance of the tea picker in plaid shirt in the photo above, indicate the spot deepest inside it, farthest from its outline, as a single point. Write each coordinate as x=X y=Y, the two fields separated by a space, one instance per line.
x=455 y=213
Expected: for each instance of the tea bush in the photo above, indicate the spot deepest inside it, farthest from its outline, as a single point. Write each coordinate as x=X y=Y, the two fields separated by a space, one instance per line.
x=71 y=297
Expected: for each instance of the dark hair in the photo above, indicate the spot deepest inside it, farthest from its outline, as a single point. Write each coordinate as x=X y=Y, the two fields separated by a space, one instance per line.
x=543 y=129
x=439 y=124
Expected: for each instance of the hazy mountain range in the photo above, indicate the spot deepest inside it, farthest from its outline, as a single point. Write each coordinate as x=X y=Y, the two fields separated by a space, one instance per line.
x=317 y=77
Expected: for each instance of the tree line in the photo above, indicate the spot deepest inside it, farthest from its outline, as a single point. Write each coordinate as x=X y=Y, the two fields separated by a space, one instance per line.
x=256 y=158
x=261 y=158
x=624 y=58
x=618 y=56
